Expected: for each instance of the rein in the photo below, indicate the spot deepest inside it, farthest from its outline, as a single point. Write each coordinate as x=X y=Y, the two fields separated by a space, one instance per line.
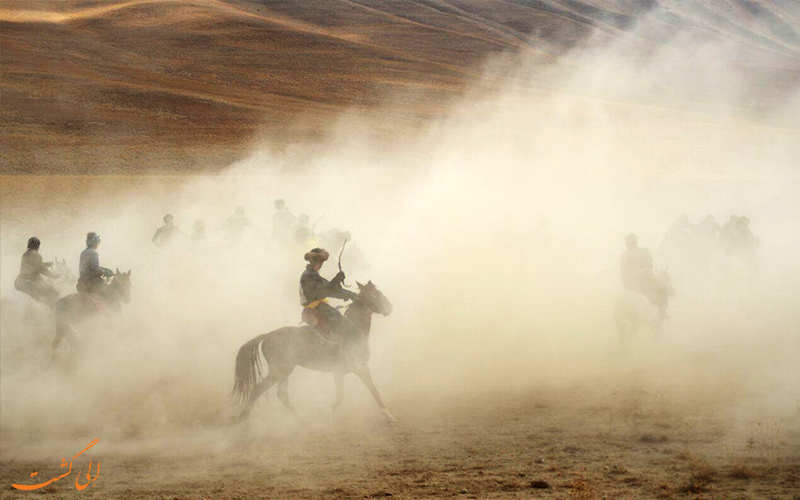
x=363 y=303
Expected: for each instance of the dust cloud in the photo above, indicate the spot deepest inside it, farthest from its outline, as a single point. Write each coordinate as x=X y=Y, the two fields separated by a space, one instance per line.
x=496 y=233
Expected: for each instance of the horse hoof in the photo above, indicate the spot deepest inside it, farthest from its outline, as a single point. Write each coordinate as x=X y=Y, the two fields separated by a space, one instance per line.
x=388 y=416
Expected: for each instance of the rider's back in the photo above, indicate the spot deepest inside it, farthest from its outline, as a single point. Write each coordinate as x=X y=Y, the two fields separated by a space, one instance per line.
x=89 y=264
x=31 y=265
x=283 y=224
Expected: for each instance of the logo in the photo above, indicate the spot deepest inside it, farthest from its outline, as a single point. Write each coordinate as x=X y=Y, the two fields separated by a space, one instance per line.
x=78 y=485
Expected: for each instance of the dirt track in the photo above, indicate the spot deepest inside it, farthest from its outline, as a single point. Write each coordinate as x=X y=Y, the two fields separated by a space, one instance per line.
x=635 y=445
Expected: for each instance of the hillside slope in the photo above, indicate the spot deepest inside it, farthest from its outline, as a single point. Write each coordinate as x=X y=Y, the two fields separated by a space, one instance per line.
x=143 y=85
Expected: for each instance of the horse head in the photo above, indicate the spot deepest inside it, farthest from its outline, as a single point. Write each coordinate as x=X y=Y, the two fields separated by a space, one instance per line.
x=121 y=284
x=64 y=270
x=374 y=299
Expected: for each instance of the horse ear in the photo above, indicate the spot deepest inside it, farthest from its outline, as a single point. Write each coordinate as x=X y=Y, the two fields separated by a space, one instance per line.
x=129 y=272
x=360 y=286
x=369 y=283
x=117 y=271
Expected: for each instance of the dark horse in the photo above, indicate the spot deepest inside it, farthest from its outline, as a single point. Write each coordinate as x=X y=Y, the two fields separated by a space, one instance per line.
x=291 y=346
x=78 y=307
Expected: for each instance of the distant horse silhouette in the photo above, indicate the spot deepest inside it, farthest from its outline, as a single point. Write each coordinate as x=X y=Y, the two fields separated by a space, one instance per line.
x=634 y=312
x=293 y=346
x=66 y=278
x=78 y=307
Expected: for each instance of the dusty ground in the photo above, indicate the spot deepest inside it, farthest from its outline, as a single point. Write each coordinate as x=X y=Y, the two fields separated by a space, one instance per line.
x=593 y=439
x=551 y=444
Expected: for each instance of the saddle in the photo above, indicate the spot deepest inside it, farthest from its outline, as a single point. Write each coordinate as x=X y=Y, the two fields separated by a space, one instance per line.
x=24 y=285
x=319 y=322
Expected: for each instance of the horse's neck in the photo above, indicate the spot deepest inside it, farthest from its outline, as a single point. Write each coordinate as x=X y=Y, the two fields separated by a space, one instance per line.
x=114 y=294
x=360 y=316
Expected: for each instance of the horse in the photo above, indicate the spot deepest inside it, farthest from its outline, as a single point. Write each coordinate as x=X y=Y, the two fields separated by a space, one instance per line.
x=66 y=278
x=291 y=346
x=77 y=307
x=634 y=311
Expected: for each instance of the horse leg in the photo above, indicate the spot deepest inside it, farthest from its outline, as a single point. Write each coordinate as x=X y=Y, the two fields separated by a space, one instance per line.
x=366 y=377
x=65 y=315
x=64 y=330
x=338 y=380
x=258 y=390
x=283 y=394
x=59 y=336
x=72 y=336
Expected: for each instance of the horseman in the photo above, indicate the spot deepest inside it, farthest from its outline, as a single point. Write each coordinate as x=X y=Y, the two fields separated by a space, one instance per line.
x=91 y=277
x=314 y=292
x=237 y=224
x=283 y=222
x=167 y=232
x=636 y=267
x=32 y=271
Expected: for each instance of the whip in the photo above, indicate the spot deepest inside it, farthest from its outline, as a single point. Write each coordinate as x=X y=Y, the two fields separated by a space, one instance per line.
x=340 y=261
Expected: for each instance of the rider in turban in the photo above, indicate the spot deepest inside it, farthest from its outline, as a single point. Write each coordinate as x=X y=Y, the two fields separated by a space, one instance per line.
x=314 y=292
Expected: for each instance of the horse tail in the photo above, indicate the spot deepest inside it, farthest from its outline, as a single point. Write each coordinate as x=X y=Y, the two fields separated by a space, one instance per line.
x=248 y=370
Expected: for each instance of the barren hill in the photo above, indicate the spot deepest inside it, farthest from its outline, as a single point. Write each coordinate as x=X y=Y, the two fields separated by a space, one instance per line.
x=148 y=85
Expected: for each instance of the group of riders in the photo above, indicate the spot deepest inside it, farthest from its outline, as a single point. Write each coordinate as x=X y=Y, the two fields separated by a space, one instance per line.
x=34 y=271
x=636 y=267
x=685 y=240
x=315 y=290
x=286 y=227
x=733 y=239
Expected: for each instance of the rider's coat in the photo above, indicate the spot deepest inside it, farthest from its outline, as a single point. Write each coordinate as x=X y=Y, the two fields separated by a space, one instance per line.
x=235 y=226
x=32 y=266
x=164 y=234
x=91 y=273
x=314 y=289
x=283 y=224
x=30 y=280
